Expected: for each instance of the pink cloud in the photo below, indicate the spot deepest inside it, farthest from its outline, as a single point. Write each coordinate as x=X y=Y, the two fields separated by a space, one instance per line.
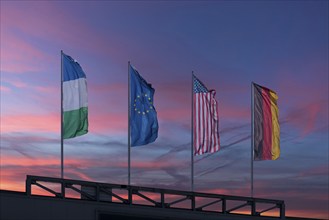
x=18 y=18
x=4 y=89
x=47 y=89
x=18 y=83
x=234 y=112
x=16 y=22
x=13 y=177
x=15 y=168
x=30 y=123
x=108 y=122
x=146 y=165
x=308 y=117
x=303 y=100
x=30 y=162
x=173 y=114
x=99 y=122
x=316 y=171
x=117 y=88
x=75 y=174
x=18 y=56
x=18 y=52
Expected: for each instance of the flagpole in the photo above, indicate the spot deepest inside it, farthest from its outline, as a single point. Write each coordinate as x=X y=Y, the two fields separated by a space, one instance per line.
x=129 y=123
x=252 y=139
x=192 y=126
x=62 y=148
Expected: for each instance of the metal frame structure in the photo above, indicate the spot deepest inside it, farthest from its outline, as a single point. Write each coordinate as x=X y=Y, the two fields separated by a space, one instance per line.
x=186 y=200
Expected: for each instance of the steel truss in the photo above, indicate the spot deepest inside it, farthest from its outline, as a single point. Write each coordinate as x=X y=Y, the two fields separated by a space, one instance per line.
x=186 y=200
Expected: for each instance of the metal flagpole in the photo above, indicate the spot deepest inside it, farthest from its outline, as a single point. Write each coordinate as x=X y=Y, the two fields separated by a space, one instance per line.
x=62 y=148
x=129 y=124
x=252 y=139
x=192 y=126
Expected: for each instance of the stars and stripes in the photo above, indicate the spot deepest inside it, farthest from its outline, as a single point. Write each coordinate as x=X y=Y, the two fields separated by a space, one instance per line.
x=205 y=119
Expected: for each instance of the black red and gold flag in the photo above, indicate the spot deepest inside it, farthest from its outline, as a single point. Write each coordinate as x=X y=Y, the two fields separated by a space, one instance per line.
x=266 y=124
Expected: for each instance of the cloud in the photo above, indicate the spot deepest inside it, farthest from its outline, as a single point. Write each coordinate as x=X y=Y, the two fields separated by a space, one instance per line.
x=314 y=172
x=234 y=128
x=4 y=89
x=30 y=123
x=30 y=127
x=315 y=197
x=20 y=56
x=308 y=118
x=170 y=169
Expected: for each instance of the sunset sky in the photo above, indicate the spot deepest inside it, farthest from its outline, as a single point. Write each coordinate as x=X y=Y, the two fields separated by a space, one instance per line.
x=282 y=45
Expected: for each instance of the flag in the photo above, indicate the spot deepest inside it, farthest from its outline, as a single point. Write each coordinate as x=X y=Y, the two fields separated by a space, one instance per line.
x=75 y=100
x=143 y=116
x=266 y=124
x=205 y=119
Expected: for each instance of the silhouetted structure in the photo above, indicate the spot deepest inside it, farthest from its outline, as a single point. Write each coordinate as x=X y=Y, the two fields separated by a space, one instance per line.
x=73 y=199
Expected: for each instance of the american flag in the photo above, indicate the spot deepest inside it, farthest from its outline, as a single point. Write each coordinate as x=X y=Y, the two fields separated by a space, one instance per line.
x=205 y=119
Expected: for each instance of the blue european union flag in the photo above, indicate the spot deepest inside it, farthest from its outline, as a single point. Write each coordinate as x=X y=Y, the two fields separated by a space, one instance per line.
x=143 y=116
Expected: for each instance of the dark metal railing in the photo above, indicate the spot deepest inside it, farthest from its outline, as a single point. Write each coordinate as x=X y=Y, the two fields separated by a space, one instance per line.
x=210 y=202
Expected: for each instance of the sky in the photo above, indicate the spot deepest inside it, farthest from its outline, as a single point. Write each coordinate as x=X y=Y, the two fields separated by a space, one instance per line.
x=282 y=45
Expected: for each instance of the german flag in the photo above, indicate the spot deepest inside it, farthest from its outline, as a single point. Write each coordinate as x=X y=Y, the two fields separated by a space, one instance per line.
x=266 y=124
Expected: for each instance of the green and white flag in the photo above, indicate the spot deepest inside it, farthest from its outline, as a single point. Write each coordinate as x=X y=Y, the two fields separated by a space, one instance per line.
x=75 y=99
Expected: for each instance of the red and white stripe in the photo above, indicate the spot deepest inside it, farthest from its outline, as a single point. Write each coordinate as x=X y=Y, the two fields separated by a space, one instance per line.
x=205 y=121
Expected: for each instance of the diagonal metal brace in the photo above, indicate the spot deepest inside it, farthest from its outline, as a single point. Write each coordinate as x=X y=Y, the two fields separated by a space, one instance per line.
x=81 y=192
x=125 y=201
x=145 y=197
x=237 y=207
x=59 y=195
x=177 y=201
x=208 y=204
x=266 y=210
